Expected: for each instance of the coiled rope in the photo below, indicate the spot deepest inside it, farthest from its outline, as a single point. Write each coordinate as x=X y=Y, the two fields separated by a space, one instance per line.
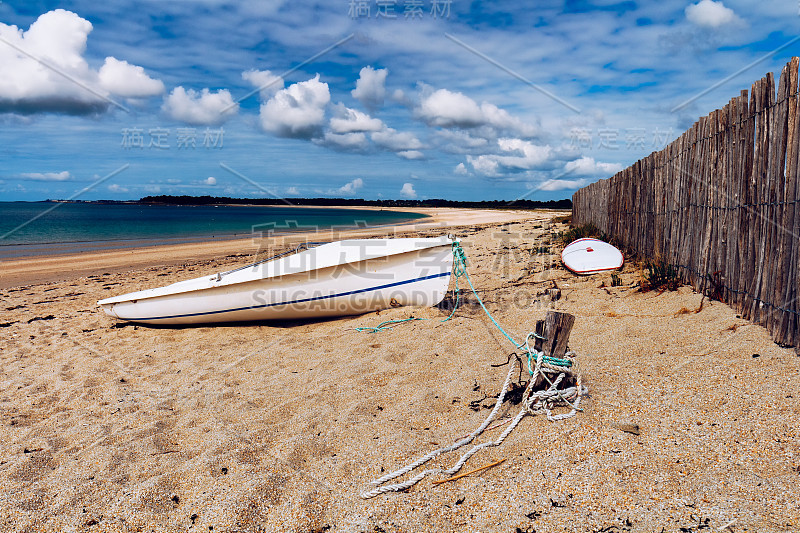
x=533 y=402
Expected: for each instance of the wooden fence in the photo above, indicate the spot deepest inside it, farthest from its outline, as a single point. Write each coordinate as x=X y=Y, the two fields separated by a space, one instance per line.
x=721 y=203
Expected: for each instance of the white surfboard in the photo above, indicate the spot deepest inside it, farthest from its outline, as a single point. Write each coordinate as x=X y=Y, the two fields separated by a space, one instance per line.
x=588 y=256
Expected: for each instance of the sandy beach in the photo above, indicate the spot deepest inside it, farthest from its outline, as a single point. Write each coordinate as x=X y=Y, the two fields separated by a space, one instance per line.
x=690 y=423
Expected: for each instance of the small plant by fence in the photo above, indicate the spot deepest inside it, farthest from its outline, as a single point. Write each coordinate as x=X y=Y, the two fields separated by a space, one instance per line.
x=721 y=204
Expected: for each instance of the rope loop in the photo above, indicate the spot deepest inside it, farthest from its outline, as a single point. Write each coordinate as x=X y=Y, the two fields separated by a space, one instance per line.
x=383 y=325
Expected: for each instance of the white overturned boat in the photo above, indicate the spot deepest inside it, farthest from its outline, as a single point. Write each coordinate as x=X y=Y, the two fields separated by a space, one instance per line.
x=590 y=256
x=340 y=278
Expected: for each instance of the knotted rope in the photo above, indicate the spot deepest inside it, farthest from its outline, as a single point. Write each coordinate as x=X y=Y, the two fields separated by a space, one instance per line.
x=533 y=401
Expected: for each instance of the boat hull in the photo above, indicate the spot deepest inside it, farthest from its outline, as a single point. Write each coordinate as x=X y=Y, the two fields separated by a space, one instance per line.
x=415 y=278
x=590 y=256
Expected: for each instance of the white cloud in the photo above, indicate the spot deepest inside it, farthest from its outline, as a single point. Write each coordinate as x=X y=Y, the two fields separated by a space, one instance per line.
x=411 y=154
x=130 y=81
x=351 y=187
x=408 y=191
x=527 y=156
x=264 y=80
x=59 y=37
x=347 y=120
x=47 y=176
x=560 y=185
x=345 y=141
x=211 y=180
x=371 y=87
x=587 y=166
x=292 y=191
x=461 y=169
x=200 y=109
x=485 y=164
x=117 y=188
x=710 y=14
x=400 y=97
x=448 y=109
x=461 y=142
x=396 y=141
x=297 y=111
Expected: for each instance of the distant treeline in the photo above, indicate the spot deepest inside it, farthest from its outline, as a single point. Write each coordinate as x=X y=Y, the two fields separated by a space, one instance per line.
x=434 y=202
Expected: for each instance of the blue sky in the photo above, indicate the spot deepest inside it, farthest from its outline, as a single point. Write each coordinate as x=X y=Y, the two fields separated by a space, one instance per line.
x=410 y=99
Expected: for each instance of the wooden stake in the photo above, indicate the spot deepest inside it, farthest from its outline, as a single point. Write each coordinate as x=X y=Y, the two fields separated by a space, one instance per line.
x=557 y=327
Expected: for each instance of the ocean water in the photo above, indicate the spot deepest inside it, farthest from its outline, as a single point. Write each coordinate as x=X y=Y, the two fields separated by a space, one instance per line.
x=36 y=228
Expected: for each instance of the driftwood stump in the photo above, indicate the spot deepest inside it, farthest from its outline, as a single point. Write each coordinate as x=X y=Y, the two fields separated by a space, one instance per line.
x=555 y=328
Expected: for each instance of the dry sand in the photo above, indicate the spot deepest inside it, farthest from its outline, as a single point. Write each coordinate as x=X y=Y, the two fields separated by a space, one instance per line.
x=278 y=427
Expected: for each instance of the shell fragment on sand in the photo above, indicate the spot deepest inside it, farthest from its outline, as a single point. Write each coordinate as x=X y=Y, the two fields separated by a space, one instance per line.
x=335 y=279
x=589 y=256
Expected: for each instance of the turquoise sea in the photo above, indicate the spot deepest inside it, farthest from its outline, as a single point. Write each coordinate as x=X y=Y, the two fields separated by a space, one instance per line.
x=36 y=228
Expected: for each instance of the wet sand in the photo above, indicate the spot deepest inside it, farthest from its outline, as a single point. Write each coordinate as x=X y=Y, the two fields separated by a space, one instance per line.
x=690 y=422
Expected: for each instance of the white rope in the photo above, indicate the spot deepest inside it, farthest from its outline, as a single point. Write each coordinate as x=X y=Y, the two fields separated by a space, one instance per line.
x=533 y=402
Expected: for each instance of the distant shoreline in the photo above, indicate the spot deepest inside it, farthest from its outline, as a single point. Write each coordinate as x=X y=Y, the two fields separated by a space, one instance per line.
x=522 y=204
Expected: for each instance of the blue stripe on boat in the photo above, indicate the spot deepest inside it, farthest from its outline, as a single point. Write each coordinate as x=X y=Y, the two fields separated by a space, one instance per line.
x=303 y=300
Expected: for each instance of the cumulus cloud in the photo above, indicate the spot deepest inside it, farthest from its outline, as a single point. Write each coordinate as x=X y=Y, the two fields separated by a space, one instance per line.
x=408 y=191
x=560 y=185
x=58 y=38
x=356 y=141
x=461 y=142
x=448 y=109
x=587 y=166
x=351 y=186
x=124 y=79
x=265 y=81
x=411 y=154
x=47 y=176
x=710 y=14
x=396 y=141
x=292 y=191
x=347 y=120
x=211 y=180
x=204 y=108
x=297 y=111
x=461 y=169
x=371 y=87
x=117 y=188
x=525 y=156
